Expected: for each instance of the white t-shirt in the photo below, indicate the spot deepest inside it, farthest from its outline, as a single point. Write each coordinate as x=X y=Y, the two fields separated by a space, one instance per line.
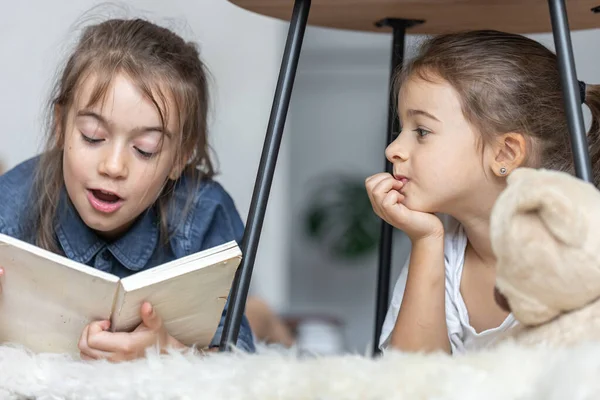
x=462 y=335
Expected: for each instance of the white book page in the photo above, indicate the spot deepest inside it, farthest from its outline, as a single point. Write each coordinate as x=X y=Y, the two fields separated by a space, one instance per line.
x=182 y=265
x=47 y=300
x=190 y=303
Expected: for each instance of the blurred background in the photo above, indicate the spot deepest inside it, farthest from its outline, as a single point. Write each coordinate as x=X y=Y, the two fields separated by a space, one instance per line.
x=317 y=262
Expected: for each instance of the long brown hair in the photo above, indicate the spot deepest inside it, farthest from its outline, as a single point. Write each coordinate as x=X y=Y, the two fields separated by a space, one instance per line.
x=508 y=83
x=164 y=67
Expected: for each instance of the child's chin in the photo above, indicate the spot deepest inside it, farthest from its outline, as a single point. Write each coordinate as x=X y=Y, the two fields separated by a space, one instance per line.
x=414 y=205
x=101 y=225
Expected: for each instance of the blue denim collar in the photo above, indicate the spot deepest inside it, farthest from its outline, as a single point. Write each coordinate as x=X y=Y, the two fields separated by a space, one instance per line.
x=80 y=243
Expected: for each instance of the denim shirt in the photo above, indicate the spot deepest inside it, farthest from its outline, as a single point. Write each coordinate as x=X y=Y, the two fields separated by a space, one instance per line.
x=212 y=220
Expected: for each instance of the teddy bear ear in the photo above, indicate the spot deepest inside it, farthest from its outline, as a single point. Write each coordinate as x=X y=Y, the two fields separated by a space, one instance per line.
x=522 y=173
x=550 y=199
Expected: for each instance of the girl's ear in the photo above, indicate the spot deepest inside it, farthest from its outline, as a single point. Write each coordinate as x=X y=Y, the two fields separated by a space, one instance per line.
x=175 y=173
x=178 y=167
x=510 y=151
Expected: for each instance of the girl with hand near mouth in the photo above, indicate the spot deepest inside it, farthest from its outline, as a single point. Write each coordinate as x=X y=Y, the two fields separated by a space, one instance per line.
x=473 y=106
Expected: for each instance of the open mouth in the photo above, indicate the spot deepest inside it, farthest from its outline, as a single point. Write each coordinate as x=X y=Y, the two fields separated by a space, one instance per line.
x=103 y=201
x=106 y=197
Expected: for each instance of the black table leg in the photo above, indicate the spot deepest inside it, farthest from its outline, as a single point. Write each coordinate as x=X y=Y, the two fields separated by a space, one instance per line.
x=399 y=27
x=266 y=169
x=570 y=87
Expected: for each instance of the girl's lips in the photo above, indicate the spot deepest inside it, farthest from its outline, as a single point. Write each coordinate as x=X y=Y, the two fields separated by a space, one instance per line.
x=106 y=207
x=401 y=178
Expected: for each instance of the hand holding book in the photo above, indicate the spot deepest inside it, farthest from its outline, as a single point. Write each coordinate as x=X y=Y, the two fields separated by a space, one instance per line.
x=52 y=304
x=97 y=342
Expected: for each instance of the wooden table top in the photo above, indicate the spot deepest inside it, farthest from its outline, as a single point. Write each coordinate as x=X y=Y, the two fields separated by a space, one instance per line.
x=517 y=16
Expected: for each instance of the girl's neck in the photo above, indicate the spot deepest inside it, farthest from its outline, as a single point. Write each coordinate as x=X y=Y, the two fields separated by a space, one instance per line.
x=478 y=235
x=476 y=224
x=474 y=216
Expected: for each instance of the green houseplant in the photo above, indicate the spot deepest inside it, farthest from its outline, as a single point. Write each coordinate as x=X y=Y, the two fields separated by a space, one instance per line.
x=339 y=217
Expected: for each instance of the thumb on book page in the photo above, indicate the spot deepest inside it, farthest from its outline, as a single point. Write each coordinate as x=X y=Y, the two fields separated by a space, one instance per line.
x=149 y=317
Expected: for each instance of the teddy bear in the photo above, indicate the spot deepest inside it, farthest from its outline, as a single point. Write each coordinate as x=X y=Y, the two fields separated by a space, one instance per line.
x=545 y=233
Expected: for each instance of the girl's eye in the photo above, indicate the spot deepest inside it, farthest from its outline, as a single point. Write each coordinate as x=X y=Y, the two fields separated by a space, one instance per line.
x=145 y=154
x=90 y=140
x=422 y=132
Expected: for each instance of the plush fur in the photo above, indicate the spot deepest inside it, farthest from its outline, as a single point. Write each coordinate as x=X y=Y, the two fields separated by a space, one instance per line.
x=566 y=330
x=507 y=372
x=545 y=232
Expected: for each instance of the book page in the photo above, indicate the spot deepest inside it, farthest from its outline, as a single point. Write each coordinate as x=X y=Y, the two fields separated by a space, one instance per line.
x=182 y=265
x=190 y=299
x=47 y=300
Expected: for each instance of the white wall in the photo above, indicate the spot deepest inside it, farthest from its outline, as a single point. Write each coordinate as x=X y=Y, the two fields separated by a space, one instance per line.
x=242 y=51
x=338 y=125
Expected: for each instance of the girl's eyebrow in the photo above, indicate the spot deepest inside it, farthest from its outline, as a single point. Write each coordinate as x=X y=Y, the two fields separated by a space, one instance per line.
x=106 y=123
x=423 y=113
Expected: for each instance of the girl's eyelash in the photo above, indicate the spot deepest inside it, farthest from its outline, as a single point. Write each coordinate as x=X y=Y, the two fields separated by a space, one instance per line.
x=90 y=140
x=419 y=131
x=422 y=132
x=145 y=154
x=142 y=153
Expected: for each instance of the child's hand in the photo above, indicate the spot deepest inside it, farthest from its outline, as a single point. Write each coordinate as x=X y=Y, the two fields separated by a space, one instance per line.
x=97 y=343
x=384 y=192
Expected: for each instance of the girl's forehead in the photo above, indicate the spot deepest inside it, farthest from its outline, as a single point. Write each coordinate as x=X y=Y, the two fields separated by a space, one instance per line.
x=432 y=94
x=109 y=93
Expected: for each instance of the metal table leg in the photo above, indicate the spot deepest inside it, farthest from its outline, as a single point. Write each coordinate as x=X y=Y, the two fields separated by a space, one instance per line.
x=399 y=27
x=266 y=169
x=570 y=87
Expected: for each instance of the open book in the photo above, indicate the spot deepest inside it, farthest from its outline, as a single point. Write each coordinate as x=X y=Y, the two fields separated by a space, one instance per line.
x=47 y=299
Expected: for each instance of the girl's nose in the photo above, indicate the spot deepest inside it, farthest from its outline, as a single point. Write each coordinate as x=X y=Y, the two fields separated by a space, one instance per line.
x=396 y=151
x=114 y=164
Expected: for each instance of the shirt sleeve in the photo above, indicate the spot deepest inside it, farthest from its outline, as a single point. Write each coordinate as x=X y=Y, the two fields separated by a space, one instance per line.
x=454 y=247
x=454 y=250
x=394 y=309
x=455 y=334
x=455 y=331
x=245 y=339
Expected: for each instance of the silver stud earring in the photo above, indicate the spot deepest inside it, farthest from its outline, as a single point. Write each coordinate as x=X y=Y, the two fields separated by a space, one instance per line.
x=502 y=170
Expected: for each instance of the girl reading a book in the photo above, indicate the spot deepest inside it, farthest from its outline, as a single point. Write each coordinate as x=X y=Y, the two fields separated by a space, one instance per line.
x=125 y=182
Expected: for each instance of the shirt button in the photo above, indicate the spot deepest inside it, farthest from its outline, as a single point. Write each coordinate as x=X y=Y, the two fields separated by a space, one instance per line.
x=106 y=256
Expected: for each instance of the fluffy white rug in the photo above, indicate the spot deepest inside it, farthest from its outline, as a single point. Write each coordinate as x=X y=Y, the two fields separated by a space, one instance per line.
x=508 y=372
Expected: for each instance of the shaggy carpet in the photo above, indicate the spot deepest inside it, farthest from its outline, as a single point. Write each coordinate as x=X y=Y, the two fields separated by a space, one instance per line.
x=507 y=372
